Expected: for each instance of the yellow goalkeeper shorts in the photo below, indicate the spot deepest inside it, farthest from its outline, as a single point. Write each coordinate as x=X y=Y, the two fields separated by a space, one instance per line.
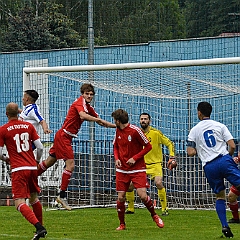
x=154 y=170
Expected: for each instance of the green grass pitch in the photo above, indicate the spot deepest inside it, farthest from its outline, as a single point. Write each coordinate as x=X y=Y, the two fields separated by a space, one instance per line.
x=100 y=223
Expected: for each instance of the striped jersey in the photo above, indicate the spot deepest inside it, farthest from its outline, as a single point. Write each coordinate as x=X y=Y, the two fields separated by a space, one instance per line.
x=31 y=114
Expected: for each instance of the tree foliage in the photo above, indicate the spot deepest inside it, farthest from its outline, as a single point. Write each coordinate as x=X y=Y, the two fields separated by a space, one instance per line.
x=41 y=24
x=46 y=30
x=208 y=18
x=138 y=21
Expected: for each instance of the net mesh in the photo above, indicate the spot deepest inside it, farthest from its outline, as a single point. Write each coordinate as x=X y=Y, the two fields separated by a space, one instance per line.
x=169 y=95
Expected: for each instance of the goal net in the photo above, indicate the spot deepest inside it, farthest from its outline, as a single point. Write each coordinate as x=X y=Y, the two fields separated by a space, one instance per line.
x=168 y=91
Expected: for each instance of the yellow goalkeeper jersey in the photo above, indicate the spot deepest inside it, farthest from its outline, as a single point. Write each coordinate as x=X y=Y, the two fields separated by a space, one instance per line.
x=157 y=139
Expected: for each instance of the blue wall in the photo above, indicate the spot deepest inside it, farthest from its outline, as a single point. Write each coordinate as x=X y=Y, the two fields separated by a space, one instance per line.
x=13 y=63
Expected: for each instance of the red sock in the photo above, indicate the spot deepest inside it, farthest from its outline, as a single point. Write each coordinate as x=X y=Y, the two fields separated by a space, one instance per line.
x=37 y=209
x=149 y=206
x=121 y=212
x=42 y=167
x=27 y=212
x=65 y=179
x=234 y=208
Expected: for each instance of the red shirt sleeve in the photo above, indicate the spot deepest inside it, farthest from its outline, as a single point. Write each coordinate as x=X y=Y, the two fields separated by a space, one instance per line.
x=1 y=137
x=115 y=151
x=92 y=112
x=144 y=151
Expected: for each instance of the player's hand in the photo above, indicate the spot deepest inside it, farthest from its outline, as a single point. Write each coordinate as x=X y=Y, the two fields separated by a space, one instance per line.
x=172 y=163
x=236 y=160
x=47 y=131
x=118 y=163
x=6 y=159
x=131 y=161
x=101 y=122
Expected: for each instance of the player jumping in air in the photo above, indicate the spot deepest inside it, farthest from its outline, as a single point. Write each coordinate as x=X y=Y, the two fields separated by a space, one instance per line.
x=78 y=112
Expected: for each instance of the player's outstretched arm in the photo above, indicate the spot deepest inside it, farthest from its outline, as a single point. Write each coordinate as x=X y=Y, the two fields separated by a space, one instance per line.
x=45 y=127
x=105 y=123
x=98 y=120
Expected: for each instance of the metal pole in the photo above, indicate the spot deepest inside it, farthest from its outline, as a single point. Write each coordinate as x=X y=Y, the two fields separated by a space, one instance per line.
x=189 y=106
x=91 y=79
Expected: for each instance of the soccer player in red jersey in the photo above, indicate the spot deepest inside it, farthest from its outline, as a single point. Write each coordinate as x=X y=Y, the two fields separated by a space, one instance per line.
x=78 y=112
x=18 y=137
x=233 y=195
x=130 y=146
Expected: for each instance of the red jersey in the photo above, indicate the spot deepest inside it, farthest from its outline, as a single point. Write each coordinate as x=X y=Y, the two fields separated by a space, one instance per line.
x=73 y=121
x=18 y=137
x=131 y=142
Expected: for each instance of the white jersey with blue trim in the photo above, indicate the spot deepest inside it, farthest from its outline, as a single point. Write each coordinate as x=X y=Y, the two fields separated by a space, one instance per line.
x=210 y=138
x=31 y=114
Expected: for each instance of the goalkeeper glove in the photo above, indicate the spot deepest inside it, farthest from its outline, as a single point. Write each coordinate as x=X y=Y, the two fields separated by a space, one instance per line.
x=172 y=163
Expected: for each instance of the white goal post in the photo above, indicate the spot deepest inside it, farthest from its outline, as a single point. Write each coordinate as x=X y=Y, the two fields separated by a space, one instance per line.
x=168 y=91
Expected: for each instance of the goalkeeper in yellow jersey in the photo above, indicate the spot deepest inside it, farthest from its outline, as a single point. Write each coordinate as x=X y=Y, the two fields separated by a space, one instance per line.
x=154 y=161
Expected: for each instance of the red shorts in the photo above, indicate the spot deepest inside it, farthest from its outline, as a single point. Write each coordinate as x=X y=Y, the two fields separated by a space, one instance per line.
x=62 y=146
x=139 y=180
x=235 y=191
x=24 y=182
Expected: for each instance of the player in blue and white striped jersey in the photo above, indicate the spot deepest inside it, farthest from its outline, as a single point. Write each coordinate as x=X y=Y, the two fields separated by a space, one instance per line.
x=31 y=113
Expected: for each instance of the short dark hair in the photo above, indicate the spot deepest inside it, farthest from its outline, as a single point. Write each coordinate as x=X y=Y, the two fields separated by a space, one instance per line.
x=120 y=115
x=145 y=114
x=33 y=94
x=87 y=87
x=205 y=108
